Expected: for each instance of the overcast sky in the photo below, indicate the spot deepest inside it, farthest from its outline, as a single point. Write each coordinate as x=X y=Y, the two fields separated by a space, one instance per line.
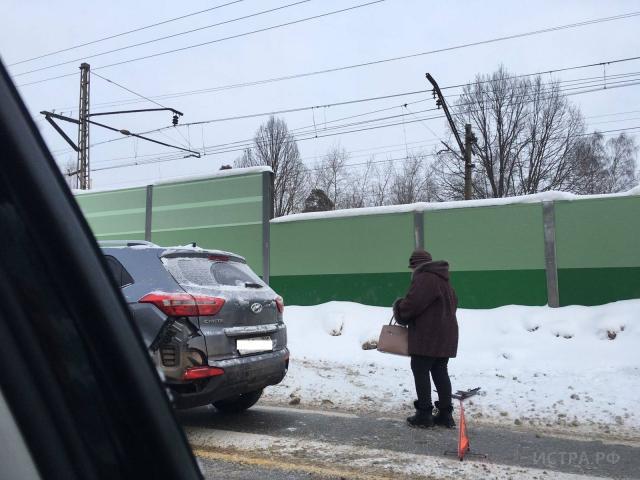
x=387 y=29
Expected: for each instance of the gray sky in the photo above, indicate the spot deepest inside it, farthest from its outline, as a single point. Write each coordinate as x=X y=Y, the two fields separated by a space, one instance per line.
x=388 y=29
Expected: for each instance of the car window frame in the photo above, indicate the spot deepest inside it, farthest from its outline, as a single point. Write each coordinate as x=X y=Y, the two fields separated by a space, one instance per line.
x=123 y=271
x=144 y=434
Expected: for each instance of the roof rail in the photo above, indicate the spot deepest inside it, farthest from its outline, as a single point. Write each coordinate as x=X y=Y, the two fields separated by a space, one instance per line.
x=125 y=243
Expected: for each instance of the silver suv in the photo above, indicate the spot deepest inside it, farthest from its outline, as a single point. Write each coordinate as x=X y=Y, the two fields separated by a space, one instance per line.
x=213 y=327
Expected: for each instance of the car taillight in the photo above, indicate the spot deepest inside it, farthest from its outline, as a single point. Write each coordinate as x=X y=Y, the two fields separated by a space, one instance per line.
x=280 y=304
x=184 y=304
x=195 y=373
x=208 y=305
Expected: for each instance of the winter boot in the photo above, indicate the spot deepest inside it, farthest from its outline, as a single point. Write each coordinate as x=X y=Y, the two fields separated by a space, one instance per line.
x=444 y=417
x=423 y=417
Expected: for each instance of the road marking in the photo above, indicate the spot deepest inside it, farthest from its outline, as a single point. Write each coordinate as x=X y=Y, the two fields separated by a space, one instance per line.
x=272 y=464
x=325 y=413
x=391 y=419
x=286 y=451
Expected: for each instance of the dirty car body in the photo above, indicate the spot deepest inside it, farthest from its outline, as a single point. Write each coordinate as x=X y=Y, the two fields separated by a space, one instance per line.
x=213 y=327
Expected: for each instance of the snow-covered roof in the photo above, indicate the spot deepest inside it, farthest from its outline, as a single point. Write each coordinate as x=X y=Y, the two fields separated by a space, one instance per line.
x=185 y=178
x=424 y=206
x=191 y=248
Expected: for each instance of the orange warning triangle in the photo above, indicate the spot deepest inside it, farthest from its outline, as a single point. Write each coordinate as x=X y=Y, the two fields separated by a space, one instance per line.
x=463 y=440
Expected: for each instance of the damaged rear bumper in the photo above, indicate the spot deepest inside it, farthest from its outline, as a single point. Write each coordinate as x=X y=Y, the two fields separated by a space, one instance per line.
x=241 y=375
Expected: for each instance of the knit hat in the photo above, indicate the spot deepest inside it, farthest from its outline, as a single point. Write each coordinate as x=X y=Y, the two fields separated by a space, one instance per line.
x=418 y=257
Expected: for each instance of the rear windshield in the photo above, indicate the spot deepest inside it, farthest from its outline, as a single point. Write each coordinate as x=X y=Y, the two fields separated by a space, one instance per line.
x=206 y=273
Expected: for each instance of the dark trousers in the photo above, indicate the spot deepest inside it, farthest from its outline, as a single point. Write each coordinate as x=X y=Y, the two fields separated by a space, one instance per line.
x=421 y=367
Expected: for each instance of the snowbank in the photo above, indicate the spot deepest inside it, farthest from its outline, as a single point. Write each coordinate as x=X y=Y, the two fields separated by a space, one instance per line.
x=424 y=206
x=571 y=367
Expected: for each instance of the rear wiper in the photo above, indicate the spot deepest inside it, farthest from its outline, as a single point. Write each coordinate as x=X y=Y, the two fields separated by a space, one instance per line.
x=252 y=285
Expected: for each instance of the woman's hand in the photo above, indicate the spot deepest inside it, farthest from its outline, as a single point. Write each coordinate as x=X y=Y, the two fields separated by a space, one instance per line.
x=396 y=312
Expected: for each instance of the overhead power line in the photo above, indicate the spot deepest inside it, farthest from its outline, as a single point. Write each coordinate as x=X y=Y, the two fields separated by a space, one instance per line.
x=576 y=82
x=166 y=37
x=311 y=134
x=369 y=149
x=312 y=107
x=92 y=42
x=128 y=90
x=239 y=146
x=312 y=129
x=381 y=61
x=412 y=145
x=545 y=72
x=604 y=132
x=230 y=37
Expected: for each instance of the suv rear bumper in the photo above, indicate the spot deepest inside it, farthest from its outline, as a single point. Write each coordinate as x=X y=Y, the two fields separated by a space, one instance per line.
x=241 y=375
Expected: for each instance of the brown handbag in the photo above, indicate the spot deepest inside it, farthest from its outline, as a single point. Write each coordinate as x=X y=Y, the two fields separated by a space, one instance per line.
x=394 y=339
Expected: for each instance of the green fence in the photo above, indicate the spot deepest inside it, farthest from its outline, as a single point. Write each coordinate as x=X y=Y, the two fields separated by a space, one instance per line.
x=598 y=250
x=495 y=253
x=361 y=258
x=558 y=252
x=225 y=211
x=115 y=214
x=582 y=251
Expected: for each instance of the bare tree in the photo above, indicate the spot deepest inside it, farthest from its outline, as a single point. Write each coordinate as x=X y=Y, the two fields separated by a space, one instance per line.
x=412 y=182
x=373 y=184
x=346 y=187
x=620 y=164
x=381 y=178
x=357 y=195
x=331 y=175
x=527 y=133
x=448 y=170
x=493 y=105
x=276 y=147
x=70 y=173
x=553 y=129
x=607 y=166
x=589 y=158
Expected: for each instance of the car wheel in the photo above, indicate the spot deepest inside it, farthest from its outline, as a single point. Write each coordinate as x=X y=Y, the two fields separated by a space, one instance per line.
x=238 y=404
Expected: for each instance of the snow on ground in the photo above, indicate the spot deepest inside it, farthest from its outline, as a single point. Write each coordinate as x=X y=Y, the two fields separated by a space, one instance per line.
x=574 y=369
x=351 y=461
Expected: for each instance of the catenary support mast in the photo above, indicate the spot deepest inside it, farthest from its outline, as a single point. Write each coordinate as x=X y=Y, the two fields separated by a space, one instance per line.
x=83 y=169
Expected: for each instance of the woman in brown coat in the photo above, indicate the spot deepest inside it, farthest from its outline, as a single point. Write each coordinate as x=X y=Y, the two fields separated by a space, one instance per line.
x=429 y=310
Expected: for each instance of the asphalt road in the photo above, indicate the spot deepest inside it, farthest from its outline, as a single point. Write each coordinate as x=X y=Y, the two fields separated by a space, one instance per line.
x=511 y=447
x=229 y=470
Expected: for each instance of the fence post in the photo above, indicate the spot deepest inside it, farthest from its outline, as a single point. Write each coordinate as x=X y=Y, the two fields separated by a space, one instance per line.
x=147 y=213
x=418 y=229
x=551 y=264
x=267 y=215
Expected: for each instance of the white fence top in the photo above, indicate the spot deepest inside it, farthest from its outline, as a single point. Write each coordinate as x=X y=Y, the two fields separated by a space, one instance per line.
x=424 y=206
x=231 y=172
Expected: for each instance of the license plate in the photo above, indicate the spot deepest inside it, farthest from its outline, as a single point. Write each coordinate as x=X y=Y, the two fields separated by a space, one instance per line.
x=254 y=345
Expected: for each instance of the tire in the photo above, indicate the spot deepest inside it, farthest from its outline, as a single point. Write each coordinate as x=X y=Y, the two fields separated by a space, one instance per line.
x=238 y=404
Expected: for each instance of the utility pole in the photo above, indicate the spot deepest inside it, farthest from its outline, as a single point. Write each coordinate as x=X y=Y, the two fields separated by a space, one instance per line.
x=83 y=168
x=469 y=138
